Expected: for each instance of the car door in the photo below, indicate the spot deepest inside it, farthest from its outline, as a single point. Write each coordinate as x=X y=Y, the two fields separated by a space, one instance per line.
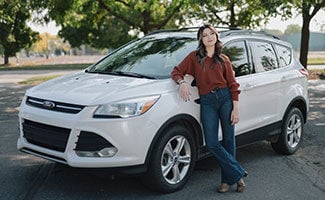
x=238 y=53
x=261 y=91
x=253 y=63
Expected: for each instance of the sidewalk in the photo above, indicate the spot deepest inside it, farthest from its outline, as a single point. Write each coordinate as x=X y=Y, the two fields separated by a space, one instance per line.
x=315 y=66
x=14 y=76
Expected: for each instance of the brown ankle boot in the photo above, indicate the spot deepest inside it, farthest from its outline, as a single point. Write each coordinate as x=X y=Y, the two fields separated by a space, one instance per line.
x=240 y=185
x=224 y=187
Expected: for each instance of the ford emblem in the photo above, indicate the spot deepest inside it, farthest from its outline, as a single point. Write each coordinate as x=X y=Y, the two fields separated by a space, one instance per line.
x=48 y=104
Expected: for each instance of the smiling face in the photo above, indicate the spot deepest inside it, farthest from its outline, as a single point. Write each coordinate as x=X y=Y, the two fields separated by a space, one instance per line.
x=209 y=37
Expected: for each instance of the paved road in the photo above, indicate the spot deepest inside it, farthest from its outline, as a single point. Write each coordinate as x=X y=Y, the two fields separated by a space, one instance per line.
x=271 y=176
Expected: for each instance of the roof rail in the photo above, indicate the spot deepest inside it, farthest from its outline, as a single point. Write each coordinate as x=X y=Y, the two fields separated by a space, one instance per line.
x=250 y=32
x=162 y=31
x=227 y=31
x=190 y=28
x=217 y=27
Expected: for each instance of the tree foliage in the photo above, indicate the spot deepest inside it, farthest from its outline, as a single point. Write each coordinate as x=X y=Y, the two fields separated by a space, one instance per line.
x=292 y=29
x=243 y=13
x=143 y=15
x=107 y=23
x=308 y=9
x=110 y=23
x=14 y=32
x=48 y=44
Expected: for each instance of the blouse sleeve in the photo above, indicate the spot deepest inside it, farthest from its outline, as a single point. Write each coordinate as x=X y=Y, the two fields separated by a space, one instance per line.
x=232 y=84
x=185 y=67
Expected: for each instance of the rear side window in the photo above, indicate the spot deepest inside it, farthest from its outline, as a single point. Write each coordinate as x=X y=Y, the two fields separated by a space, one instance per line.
x=284 y=55
x=264 y=56
x=237 y=53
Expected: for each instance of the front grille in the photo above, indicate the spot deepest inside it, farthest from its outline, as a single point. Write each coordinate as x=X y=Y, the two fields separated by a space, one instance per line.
x=54 y=105
x=47 y=136
x=88 y=141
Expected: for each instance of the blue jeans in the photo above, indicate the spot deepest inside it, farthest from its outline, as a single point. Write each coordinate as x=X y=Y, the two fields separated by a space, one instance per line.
x=217 y=107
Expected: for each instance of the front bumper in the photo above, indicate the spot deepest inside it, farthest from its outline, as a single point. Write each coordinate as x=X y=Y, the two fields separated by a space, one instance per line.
x=132 y=137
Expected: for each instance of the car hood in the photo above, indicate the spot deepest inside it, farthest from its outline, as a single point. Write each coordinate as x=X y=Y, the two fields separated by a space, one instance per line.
x=92 y=89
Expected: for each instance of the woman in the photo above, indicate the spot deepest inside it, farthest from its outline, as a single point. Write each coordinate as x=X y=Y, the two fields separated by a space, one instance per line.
x=219 y=94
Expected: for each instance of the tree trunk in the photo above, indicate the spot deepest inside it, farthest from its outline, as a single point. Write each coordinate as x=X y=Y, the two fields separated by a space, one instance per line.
x=305 y=33
x=304 y=42
x=6 y=60
x=146 y=22
x=232 y=15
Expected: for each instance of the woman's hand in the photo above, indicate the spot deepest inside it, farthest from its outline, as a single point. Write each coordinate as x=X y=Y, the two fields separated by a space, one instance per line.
x=184 y=92
x=234 y=114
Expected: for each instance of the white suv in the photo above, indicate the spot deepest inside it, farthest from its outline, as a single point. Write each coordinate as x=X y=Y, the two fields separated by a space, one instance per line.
x=124 y=112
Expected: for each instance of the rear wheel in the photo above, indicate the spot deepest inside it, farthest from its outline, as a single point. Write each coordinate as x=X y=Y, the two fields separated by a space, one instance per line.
x=291 y=135
x=172 y=161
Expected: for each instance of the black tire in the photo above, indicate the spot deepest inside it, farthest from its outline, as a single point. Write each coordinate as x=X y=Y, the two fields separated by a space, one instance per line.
x=291 y=135
x=178 y=165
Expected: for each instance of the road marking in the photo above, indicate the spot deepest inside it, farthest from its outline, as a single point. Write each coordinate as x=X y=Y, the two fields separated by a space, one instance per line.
x=320 y=124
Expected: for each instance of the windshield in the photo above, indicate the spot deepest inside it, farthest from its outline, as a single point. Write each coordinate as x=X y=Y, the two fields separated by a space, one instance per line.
x=148 y=57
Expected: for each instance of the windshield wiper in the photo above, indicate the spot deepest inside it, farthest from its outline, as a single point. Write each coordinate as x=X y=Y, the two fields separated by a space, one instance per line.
x=130 y=74
x=102 y=72
x=133 y=74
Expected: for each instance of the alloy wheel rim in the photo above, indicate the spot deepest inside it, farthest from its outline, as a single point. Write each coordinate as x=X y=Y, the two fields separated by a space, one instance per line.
x=175 y=159
x=294 y=130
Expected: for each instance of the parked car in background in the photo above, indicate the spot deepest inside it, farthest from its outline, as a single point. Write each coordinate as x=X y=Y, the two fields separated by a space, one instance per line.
x=124 y=112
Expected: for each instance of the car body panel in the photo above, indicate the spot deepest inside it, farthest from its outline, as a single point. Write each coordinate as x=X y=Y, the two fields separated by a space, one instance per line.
x=263 y=101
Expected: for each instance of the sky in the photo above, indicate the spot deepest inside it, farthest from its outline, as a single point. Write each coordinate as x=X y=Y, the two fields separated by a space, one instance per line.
x=275 y=23
x=316 y=23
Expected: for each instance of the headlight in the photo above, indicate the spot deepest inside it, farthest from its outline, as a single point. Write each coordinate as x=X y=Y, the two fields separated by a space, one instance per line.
x=126 y=108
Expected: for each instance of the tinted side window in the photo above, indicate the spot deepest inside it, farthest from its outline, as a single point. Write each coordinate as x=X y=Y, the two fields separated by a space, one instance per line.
x=237 y=53
x=284 y=55
x=264 y=56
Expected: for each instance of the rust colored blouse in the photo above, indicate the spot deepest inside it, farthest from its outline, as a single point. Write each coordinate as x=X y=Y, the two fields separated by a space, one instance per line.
x=214 y=75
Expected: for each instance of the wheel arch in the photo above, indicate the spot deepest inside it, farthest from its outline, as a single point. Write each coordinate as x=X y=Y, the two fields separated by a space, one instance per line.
x=301 y=104
x=281 y=143
x=184 y=120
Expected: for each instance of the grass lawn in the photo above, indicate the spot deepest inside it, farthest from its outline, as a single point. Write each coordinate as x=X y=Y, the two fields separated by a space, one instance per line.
x=37 y=80
x=316 y=61
x=46 y=67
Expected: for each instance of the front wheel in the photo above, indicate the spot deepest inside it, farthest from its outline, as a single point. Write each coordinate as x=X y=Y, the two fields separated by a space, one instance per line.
x=172 y=161
x=291 y=135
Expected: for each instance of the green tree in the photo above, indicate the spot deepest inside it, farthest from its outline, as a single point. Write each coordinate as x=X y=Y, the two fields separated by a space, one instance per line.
x=14 y=32
x=273 y=31
x=308 y=9
x=107 y=23
x=243 y=13
x=143 y=15
x=48 y=43
x=292 y=29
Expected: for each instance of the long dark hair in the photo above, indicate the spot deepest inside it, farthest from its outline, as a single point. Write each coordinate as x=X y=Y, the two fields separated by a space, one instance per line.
x=201 y=52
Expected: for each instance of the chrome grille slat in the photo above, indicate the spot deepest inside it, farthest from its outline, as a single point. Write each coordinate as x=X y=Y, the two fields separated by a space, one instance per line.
x=58 y=106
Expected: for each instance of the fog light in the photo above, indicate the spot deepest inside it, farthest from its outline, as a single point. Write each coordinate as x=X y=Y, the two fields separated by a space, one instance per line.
x=106 y=152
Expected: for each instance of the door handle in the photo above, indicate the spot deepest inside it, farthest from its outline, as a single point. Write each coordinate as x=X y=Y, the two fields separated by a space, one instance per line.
x=248 y=86
x=287 y=77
